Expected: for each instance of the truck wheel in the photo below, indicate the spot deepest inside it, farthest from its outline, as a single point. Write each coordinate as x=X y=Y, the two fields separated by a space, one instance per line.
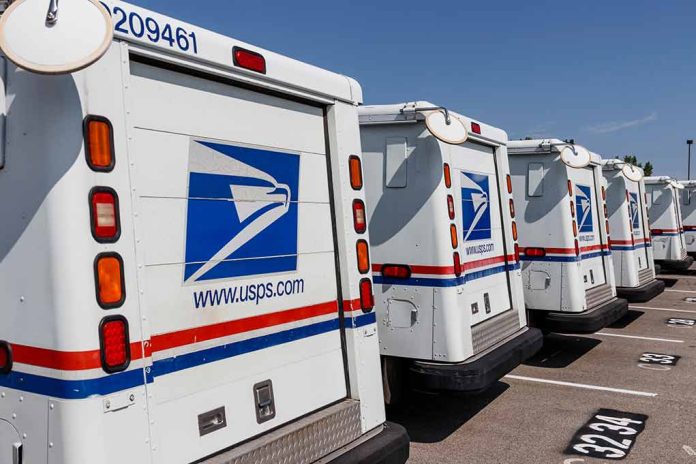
x=393 y=380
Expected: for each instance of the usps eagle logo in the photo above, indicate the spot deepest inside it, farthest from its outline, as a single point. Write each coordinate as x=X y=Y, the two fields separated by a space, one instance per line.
x=242 y=212
x=583 y=207
x=635 y=218
x=476 y=211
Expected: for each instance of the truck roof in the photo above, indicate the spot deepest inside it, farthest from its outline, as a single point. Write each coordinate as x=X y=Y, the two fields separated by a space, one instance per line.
x=216 y=49
x=690 y=184
x=617 y=164
x=543 y=147
x=653 y=180
x=410 y=111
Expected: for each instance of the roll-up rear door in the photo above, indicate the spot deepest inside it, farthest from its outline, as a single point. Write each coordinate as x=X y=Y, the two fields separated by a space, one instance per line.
x=238 y=258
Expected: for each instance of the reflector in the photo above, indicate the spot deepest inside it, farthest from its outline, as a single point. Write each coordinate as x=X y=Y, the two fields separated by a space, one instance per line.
x=535 y=252
x=355 y=168
x=5 y=357
x=99 y=143
x=109 y=280
x=249 y=60
x=396 y=271
x=363 y=256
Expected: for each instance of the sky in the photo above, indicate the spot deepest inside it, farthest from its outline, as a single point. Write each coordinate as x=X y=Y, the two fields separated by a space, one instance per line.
x=617 y=76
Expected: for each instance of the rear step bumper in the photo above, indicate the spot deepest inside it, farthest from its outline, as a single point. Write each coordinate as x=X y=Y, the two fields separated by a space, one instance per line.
x=478 y=374
x=588 y=321
x=643 y=293
x=390 y=446
x=676 y=264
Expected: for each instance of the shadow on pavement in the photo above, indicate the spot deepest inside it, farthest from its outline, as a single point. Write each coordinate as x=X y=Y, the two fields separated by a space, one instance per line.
x=432 y=417
x=627 y=320
x=561 y=351
x=669 y=283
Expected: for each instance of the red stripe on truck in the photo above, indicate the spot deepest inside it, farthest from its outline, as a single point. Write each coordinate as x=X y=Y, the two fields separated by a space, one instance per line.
x=449 y=270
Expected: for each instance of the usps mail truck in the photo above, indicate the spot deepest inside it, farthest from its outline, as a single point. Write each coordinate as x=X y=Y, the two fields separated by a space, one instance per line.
x=448 y=292
x=665 y=216
x=567 y=268
x=631 y=250
x=688 y=209
x=184 y=260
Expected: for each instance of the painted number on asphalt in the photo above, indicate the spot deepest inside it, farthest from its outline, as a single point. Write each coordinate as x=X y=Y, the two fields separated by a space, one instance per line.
x=676 y=322
x=657 y=358
x=609 y=434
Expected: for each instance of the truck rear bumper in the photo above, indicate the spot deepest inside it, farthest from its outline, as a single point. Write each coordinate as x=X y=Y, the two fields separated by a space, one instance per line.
x=677 y=264
x=643 y=293
x=390 y=446
x=478 y=374
x=588 y=321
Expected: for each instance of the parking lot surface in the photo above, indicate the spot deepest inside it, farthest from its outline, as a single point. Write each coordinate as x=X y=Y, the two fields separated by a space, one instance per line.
x=536 y=413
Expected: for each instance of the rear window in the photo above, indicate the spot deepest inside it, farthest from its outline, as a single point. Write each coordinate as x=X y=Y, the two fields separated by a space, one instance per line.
x=535 y=179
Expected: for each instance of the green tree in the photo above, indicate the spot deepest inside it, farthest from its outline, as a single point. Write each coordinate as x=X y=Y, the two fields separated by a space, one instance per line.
x=631 y=159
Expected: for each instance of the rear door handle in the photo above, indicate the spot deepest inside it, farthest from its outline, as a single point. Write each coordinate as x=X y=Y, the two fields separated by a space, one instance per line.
x=16 y=453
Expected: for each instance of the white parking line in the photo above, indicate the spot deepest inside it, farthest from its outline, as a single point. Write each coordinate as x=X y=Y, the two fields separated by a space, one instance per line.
x=679 y=291
x=663 y=309
x=668 y=340
x=581 y=385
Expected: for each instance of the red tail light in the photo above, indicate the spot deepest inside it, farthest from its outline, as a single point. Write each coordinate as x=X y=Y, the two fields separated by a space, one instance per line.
x=448 y=176
x=606 y=212
x=512 y=208
x=656 y=231
x=359 y=220
x=457 y=264
x=508 y=180
x=572 y=208
x=570 y=188
x=114 y=344
x=396 y=271
x=355 y=168
x=607 y=224
x=5 y=358
x=105 y=215
x=604 y=194
x=535 y=252
x=450 y=206
x=367 y=299
x=517 y=252
x=475 y=128
x=577 y=248
x=249 y=60
x=575 y=229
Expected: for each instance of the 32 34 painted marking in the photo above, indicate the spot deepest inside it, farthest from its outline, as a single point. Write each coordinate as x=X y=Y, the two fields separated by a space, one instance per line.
x=678 y=322
x=610 y=434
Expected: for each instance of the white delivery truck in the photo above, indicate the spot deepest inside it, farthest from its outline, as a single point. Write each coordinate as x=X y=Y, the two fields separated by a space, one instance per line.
x=688 y=208
x=448 y=292
x=184 y=267
x=664 y=214
x=567 y=268
x=631 y=250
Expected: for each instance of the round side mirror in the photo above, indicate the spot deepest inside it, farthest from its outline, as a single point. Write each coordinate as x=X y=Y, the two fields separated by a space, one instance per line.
x=41 y=37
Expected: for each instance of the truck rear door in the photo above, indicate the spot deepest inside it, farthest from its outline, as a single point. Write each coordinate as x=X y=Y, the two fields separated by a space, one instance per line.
x=237 y=258
x=587 y=217
x=636 y=208
x=481 y=231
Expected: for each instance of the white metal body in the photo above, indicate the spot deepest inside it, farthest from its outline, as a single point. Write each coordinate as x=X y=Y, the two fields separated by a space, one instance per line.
x=688 y=209
x=664 y=214
x=628 y=223
x=560 y=280
x=435 y=314
x=186 y=123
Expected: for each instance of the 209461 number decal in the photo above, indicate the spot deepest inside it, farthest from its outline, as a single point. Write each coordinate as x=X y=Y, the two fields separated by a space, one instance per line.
x=609 y=434
x=131 y=23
